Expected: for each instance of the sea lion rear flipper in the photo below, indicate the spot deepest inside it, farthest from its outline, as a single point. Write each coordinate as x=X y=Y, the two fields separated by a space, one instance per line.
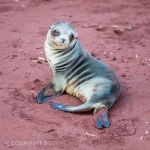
x=66 y=108
x=101 y=118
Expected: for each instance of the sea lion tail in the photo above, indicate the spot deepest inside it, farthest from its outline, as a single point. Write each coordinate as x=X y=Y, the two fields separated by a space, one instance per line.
x=81 y=108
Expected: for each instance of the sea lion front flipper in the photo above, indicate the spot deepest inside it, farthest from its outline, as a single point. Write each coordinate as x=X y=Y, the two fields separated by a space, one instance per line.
x=101 y=119
x=41 y=98
x=46 y=94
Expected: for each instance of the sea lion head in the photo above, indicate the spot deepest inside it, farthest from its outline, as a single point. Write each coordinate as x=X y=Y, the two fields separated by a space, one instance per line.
x=62 y=36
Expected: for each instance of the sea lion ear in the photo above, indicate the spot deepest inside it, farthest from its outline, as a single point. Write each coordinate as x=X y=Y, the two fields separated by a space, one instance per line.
x=76 y=36
x=50 y=27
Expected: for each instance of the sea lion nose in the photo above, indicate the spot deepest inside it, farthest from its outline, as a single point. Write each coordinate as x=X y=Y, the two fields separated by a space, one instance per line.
x=63 y=40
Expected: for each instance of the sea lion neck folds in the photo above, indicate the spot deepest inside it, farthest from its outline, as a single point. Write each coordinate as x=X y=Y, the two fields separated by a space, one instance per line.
x=61 y=60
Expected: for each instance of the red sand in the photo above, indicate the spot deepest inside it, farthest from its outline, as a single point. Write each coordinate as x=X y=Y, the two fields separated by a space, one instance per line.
x=27 y=125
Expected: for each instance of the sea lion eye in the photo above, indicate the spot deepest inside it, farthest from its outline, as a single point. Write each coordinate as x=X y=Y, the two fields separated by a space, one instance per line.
x=71 y=37
x=55 y=33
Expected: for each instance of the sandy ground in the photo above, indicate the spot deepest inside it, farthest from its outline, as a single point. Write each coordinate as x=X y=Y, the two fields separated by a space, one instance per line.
x=25 y=125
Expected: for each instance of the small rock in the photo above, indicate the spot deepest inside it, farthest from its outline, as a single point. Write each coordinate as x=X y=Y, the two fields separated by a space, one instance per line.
x=50 y=130
x=136 y=56
x=100 y=28
x=93 y=54
x=118 y=32
x=121 y=28
x=111 y=53
x=33 y=93
x=20 y=50
x=118 y=29
x=41 y=58
x=114 y=58
x=34 y=61
x=36 y=81
x=123 y=75
x=146 y=132
x=40 y=62
x=14 y=55
x=104 y=53
x=33 y=58
x=86 y=133
x=142 y=63
x=38 y=47
x=141 y=138
x=0 y=73
x=28 y=41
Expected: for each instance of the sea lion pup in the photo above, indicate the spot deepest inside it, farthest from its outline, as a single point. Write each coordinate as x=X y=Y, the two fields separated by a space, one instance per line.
x=78 y=74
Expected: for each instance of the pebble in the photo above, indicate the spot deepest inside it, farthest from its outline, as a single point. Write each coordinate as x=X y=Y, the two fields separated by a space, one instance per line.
x=100 y=28
x=111 y=53
x=28 y=41
x=49 y=130
x=36 y=81
x=114 y=58
x=41 y=58
x=40 y=62
x=33 y=58
x=142 y=63
x=123 y=75
x=104 y=53
x=146 y=131
x=34 y=94
x=141 y=138
x=136 y=56
x=93 y=54
x=118 y=32
x=20 y=50
x=86 y=133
